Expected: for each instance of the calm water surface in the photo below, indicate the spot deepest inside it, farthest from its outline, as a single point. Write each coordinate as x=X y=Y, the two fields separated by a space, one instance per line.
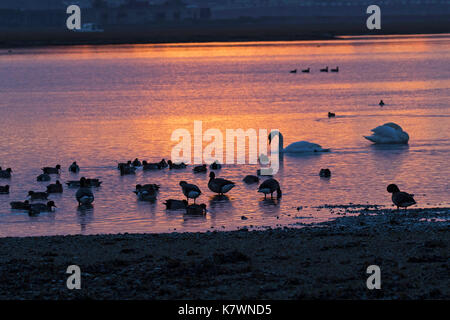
x=100 y=105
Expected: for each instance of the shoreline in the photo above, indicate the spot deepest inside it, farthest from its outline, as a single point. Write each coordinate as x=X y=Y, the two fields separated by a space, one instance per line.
x=310 y=29
x=326 y=261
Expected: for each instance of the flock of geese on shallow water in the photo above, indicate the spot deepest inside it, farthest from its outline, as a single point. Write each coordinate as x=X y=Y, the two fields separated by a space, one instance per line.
x=389 y=133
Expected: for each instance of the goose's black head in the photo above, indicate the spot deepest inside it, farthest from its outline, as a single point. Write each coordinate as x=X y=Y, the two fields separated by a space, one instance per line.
x=51 y=204
x=182 y=183
x=58 y=166
x=392 y=188
x=212 y=175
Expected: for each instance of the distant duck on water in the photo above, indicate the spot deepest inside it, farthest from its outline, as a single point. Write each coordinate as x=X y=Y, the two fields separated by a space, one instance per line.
x=89 y=183
x=74 y=168
x=219 y=185
x=43 y=177
x=324 y=69
x=196 y=209
x=172 y=165
x=126 y=169
x=124 y=164
x=37 y=208
x=52 y=170
x=146 y=194
x=172 y=204
x=293 y=71
x=215 y=165
x=37 y=195
x=136 y=163
x=381 y=103
x=19 y=205
x=200 y=169
x=4 y=189
x=6 y=174
x=249 y=179
x=306 y=70
x=163 y=163
x=331 y=115
x=325 y=173
x=400 y=199
x=270 y=186
x=55 y=188
x=151 y=166
x=335 y=70
x=150 y=186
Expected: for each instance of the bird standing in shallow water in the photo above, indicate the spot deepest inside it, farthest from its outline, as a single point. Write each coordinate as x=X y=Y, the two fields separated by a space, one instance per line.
x=219 y=185
x=400 y=199
x=84 y=194
x=190 y=190
x=270 y=186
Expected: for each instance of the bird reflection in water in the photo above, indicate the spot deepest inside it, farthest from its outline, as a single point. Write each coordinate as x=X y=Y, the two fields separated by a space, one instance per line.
x=85 y=215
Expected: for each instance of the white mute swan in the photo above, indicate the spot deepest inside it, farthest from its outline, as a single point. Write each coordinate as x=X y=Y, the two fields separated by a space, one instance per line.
x=388 y=133
x=296 y=147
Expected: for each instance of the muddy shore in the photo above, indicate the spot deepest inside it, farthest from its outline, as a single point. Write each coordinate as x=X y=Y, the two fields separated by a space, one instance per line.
x=326 y=261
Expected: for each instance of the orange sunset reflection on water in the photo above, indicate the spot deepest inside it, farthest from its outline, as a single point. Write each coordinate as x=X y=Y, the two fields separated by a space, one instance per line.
x=100 y=105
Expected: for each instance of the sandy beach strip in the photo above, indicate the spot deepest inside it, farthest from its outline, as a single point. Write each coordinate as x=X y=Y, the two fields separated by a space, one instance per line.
x=326 y=261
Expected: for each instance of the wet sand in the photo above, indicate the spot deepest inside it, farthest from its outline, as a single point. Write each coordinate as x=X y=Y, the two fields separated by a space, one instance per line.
x=327 y=261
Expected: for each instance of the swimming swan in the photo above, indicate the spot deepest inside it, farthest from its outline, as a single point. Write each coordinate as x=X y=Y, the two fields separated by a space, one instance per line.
x=296 y=147
x=388 y=133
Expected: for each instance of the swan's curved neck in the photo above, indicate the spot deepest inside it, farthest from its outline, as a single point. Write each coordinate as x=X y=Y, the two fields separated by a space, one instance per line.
x=280 y=139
